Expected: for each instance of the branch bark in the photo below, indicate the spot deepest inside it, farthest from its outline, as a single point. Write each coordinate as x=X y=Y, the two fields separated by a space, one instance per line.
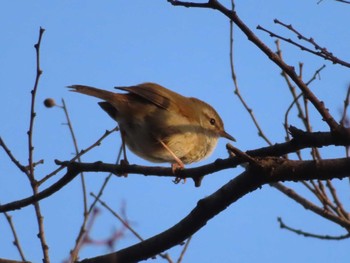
x=269 y=170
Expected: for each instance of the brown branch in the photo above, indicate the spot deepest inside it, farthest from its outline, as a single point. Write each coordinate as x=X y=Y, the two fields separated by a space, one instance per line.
x=120 y=218
x=12 y=157
x=273 y=170
x=81 y=153
x=292 y=91
x=319 y=105
x=339 y=206
x=16 y=239
x=309 y=205
x=32 y=107
x=306 y=234
x=31 y=176
x=238 y=93
x=190 y=4
x=321 y=52
x=344 y=120
x=183 y=251
x=3 y=260
x=301 y=140
x=343 y=1
x=75 y=251
x=76 y=148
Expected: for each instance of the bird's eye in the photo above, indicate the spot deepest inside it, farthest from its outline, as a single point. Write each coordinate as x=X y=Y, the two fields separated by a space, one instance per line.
x=212 y=121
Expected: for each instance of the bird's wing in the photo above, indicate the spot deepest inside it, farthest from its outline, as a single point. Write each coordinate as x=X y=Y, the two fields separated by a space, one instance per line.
x=157 y=95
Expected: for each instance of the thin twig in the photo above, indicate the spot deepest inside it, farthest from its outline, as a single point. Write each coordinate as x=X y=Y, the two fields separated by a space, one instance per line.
x=35 y=186
x=81 y=153
x=183 y=251
x=16 y=241
x=76 y=147
x=317 y=190
x=344 y=120
x=291 y=89
x=75 y=251
x=120 y=218
x=12 y=157
x=306 y=234
x=340 y=208
x=237 y=90
x=124 y=222
x=322 y=52
x=309 y=205
x=32 y=107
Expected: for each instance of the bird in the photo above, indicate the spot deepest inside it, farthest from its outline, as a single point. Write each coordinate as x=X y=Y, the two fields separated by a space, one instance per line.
x=160 y=125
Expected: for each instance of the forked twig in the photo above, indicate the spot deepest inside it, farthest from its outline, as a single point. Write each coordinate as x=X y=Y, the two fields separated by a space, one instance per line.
x=320 y=51
x=75 y=251
x=81 y=153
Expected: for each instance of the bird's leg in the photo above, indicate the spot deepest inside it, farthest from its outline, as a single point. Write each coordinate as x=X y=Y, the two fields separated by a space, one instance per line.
x=125 y=160
x=174 y=166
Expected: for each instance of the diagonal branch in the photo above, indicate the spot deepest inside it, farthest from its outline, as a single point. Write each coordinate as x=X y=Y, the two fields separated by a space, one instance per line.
x=319 y=105
x=320 y=51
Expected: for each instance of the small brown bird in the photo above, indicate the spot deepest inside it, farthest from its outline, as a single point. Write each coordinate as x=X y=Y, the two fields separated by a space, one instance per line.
x=160 y=125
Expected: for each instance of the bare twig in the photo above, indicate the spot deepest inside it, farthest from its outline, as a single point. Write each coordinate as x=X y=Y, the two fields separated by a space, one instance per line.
x=16 y=241
x=344 y=119
x=316 y=74
x=237 y=90
x=339 y=206
x=75 y=251
x=306 y=234
x=321 y=52
x=120 y=218
x=125 y=222
x=190 y=4
x=31 y=177
x=32 y=108
x=241 y=155
x=75 y=143
x=12 y=157
x=310 y=206
x=343 y=1
x=81 y=153
x=184 y=249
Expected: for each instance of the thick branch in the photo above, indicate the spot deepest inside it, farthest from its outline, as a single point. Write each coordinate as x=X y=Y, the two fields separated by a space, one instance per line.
x=301 y=140
x=270 y=170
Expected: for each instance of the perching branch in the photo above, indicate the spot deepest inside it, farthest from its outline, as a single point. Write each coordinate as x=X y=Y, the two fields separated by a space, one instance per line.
x=301 y=140
x=271 y=170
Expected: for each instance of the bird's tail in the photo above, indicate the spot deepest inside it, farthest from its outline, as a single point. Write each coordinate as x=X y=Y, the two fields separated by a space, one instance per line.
x=98 y=93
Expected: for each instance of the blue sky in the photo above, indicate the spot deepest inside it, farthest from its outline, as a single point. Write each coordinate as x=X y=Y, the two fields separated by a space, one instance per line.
x=110 y=43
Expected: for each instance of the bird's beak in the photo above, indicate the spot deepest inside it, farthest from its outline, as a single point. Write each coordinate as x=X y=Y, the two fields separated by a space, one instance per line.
x=227 y=136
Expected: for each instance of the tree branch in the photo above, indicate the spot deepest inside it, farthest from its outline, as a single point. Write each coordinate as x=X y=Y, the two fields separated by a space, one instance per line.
x=271 y=170
x=319 y=105
x=301 y=140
